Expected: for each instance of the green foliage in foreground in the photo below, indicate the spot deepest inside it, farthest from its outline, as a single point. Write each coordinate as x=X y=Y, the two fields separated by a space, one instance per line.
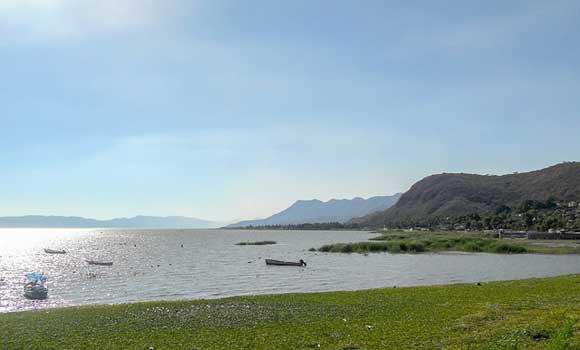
x=257 y=243
x=402 y=242
x=529 y=314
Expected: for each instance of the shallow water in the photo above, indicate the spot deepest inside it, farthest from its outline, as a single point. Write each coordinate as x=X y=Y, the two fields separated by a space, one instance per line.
x=572 y=244
x=152 y=265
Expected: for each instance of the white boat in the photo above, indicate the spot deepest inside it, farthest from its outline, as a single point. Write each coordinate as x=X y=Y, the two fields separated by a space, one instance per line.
x=53 y=251
x=100 y=263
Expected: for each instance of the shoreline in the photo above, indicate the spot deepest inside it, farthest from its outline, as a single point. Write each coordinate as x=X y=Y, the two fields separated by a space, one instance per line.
x=267 y=294
x=483 y=315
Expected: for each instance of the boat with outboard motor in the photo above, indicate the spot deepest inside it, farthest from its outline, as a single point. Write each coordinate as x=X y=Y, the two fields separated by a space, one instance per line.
x=285 y=263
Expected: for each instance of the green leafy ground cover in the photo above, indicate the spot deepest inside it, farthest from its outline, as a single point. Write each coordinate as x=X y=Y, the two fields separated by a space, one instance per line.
x=527 y=314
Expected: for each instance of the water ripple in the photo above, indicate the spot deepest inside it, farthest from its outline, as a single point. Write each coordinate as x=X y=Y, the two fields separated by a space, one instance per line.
x=152 y=265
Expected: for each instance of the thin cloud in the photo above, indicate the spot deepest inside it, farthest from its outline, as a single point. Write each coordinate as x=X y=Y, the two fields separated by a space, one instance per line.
x=69 y=19
x=505 y=29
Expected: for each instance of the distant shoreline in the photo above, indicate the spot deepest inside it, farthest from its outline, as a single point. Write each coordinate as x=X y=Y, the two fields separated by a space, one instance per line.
x=140 y=221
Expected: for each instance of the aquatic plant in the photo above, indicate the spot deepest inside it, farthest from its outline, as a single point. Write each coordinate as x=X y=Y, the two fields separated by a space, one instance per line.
x=429 y=242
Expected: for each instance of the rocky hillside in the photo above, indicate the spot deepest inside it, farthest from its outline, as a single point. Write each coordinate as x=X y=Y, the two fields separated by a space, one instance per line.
x=315 y=211
x=452 y=195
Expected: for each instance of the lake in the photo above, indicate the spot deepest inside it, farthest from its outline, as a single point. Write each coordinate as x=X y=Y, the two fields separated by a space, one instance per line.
x=152 y=265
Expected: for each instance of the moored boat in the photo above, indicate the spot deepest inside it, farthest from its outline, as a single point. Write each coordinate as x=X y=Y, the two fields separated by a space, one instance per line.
x=285 y=263
x=54 y=251
x=35 y=289
x=100 y=263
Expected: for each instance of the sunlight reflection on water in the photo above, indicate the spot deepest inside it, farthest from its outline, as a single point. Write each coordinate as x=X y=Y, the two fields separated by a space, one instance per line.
x=151 y=265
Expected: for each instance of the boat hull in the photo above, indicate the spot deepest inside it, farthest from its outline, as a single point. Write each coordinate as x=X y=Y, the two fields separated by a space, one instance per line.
x=282 y=263
x=37 y=292
x=99 y=263
x=51 y=251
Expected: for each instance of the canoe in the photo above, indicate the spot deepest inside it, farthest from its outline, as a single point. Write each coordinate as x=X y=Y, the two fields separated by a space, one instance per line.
x=285 y=263
x=52 y=251
x=100 y=263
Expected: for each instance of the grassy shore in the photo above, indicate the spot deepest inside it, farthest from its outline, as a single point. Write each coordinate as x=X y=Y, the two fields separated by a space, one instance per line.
x=257 y=243
x=528 y=314
x=419 y=242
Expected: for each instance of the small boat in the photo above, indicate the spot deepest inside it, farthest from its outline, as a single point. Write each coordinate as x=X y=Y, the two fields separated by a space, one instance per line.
x=53 y=251
x=35 y=289
x=285 y=263
x=100 y=263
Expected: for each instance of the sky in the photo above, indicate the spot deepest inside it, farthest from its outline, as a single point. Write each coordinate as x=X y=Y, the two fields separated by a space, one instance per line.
x=228 y=110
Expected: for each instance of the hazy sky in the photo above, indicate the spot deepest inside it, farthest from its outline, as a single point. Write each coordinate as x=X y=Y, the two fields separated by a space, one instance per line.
x=235 y=109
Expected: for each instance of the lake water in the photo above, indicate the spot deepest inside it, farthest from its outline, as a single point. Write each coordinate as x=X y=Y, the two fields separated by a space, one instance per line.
x=152 y=265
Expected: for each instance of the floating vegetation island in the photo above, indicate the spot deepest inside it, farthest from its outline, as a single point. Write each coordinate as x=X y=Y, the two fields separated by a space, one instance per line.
x=419 y=242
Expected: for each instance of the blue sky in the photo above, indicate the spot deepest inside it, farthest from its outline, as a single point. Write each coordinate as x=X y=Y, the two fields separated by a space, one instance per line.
x=234 y=109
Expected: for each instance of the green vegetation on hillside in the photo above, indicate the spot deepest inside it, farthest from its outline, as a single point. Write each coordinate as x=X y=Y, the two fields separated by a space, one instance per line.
x=538 y=200
x=529 y=314
x=419 y=242
x=257 y=243
x=529 y=215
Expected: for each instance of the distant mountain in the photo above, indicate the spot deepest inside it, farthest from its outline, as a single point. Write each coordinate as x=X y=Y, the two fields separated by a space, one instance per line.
x=315 y=211
x=452 y=195
x=80 y=222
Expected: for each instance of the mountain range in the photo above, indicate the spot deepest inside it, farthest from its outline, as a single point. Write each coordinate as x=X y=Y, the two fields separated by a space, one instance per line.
x=153 y=222
x=452 y=195
x=316 y=211
x=434 y=197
